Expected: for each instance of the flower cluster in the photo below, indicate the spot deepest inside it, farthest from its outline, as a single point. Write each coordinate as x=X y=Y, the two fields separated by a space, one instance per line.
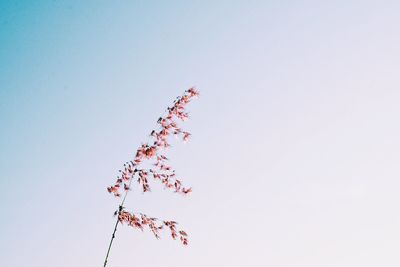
x=161 y=171
x=139 y=221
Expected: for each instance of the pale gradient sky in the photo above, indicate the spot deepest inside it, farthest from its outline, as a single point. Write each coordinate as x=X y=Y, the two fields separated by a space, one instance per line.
x=294 y=159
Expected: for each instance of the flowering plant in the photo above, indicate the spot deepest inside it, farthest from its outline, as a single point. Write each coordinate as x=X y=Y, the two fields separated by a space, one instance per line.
x=160 y=170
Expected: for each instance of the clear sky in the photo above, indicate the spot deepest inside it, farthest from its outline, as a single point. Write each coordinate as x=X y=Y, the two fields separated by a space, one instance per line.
x=294 y=159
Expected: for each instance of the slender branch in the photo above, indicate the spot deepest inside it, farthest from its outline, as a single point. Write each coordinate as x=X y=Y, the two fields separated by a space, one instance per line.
x=112 y=239
x=120 y=208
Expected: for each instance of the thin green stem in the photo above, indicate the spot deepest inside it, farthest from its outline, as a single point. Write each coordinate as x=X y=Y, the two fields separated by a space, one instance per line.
x=112 y=239
x=120 y=208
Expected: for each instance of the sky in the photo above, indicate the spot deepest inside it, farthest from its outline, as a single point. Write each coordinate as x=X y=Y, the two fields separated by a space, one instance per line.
x=295 y=143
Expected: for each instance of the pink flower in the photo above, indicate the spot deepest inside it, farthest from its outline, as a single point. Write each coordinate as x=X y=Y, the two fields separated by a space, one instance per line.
x=160 y=171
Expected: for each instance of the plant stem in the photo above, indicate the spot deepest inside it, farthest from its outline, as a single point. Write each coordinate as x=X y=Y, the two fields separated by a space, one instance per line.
x=112 y=239
x=120 y=208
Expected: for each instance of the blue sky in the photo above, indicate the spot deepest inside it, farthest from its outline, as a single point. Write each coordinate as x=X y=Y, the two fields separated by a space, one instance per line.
x=295 y=148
